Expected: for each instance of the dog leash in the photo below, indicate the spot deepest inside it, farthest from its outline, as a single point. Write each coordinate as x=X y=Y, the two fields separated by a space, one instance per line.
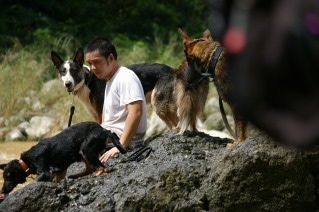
x=138 y=155
x=72 y=108
x=222 y=111
x=212 y=66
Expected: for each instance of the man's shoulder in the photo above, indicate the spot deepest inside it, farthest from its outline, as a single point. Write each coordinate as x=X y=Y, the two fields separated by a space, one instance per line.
x=126 y=70
x=127 y=73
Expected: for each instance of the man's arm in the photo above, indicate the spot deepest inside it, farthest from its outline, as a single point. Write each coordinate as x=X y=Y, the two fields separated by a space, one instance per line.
x=135 y=111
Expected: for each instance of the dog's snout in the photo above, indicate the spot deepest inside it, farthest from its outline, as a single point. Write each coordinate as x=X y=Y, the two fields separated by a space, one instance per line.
x=7 y=188
x=68 y=84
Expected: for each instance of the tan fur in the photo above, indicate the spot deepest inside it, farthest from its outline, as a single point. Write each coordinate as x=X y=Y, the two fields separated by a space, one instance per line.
x=148 y=97
x=165 y=107
x=89 y=168
x=190 y=103
x=83 y=94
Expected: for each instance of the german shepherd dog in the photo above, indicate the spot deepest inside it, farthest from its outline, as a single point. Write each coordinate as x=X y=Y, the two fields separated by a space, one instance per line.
x=79 y=80
x=50 y=158
x=187 y=91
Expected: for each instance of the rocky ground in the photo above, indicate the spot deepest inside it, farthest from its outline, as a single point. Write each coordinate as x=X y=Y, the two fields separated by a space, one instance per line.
x=189 y=172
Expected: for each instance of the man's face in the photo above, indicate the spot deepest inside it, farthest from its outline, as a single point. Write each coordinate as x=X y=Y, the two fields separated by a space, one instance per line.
x=99 y=65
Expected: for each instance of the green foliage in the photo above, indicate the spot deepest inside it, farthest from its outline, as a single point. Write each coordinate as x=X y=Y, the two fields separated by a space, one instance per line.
x=170 y=53
x=138 y=20
x=167 y=53
x=20 y=75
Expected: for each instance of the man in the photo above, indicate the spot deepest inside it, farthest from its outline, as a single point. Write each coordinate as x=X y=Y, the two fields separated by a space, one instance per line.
x=124 y=110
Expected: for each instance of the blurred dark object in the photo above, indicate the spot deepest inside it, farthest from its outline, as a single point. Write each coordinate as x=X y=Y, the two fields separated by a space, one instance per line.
x=274 y=58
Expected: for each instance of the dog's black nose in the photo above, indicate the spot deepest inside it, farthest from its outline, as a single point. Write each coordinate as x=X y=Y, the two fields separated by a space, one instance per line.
x=68 y=84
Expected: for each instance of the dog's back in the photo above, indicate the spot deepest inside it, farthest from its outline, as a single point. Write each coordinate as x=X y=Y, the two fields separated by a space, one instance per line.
x=63 y=149
x=150 y=73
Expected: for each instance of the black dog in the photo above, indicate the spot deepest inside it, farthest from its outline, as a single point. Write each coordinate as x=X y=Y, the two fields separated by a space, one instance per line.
x=78 y=79
x=51 y=157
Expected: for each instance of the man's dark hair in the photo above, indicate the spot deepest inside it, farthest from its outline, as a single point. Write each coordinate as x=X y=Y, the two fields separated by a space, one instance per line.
x=103 y=45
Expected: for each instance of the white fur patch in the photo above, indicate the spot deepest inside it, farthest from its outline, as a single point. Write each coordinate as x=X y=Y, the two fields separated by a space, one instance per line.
x=67 y=78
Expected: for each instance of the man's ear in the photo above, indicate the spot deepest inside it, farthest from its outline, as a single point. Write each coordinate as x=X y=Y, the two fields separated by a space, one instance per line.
x=111 y=56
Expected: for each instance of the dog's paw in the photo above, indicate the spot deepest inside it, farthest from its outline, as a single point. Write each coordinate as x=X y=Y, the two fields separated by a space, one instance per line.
x=228 y=145
x=101 y=171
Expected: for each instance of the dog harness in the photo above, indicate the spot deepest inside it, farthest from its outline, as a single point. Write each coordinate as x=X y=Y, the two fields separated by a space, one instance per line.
x=212 y=63
x=210 y=71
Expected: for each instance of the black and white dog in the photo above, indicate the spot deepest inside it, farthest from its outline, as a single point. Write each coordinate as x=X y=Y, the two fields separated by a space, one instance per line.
x=79 y=80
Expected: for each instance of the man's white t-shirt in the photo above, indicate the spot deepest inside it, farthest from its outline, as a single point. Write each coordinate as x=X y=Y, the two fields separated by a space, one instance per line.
x=123 y=88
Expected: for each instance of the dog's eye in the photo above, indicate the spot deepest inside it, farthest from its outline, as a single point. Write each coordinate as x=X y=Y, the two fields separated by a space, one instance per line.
x=63 y=72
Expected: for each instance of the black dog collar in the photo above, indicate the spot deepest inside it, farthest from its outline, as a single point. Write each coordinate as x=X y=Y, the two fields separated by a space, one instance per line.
x=212 y=63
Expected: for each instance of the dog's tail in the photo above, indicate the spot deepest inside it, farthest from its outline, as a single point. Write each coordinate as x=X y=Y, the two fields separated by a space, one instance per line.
x=188 y=111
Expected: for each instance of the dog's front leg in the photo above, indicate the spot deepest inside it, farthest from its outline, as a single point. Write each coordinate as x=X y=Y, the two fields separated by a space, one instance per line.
x=44 y=177
x=88 y=170
x=59 y=176
x=240 y=128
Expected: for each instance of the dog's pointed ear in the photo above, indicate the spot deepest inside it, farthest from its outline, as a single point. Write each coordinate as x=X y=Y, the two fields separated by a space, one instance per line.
x=56 y=59
x=3 y=165
x=185 y=37
x=79 y=56
x=207 y=35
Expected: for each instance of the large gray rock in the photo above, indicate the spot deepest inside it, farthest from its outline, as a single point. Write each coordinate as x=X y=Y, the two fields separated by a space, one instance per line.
x=190 y=172
x=37 y=128
x=16 y=134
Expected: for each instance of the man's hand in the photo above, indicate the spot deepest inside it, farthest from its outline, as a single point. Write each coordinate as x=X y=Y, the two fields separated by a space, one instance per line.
x=109 y=154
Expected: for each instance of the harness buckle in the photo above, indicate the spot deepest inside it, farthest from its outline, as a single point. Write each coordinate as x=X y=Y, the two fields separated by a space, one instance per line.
x=206 y=74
